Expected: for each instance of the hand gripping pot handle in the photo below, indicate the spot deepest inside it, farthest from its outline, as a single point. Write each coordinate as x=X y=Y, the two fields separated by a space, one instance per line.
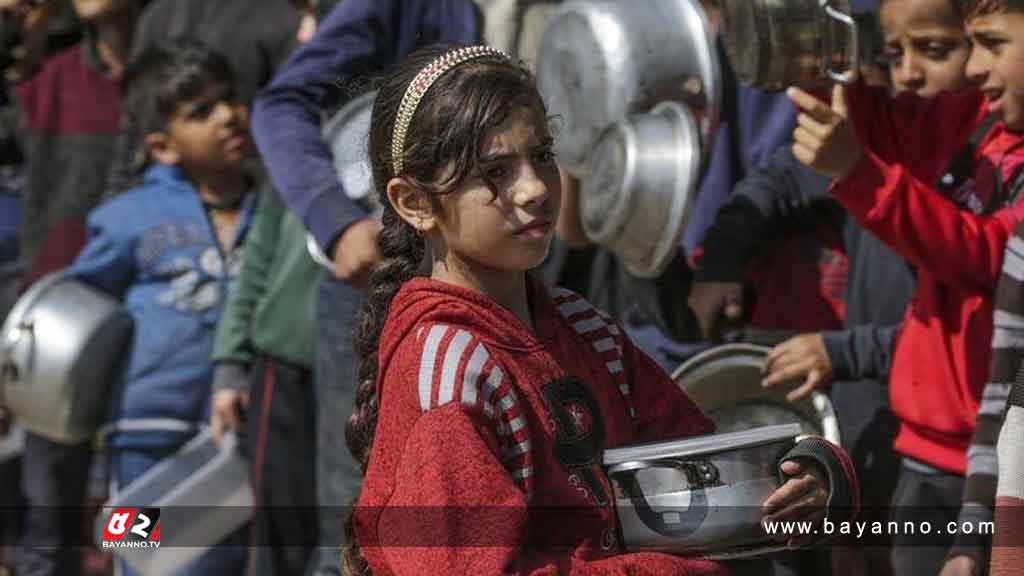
x=846 y=20
x=673 y=522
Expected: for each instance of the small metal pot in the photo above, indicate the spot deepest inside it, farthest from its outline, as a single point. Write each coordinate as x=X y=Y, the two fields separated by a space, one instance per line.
x=699 y=496
x=773 y=44
x=600 y=61
x=62 y=345
x=642 y=186
x=348 y=134
x=725 y=382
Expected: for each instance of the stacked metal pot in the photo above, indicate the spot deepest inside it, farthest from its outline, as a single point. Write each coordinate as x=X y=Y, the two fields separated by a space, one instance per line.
x=635 y=87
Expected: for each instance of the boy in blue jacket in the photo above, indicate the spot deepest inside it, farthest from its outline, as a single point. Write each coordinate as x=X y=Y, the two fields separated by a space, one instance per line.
x=168 y=250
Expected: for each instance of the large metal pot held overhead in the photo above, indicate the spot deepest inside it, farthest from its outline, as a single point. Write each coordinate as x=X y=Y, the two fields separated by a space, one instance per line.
x=773 y=44
x=600 y=61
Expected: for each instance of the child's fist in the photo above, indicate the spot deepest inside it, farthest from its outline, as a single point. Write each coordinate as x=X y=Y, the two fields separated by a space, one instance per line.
x=801 y=499
x=824 y=138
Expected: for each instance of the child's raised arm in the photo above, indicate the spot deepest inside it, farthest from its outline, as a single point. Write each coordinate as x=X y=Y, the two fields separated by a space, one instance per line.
x=885 y=184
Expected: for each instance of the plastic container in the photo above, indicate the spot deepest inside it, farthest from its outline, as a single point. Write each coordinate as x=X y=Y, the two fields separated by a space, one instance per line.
x=204 y=495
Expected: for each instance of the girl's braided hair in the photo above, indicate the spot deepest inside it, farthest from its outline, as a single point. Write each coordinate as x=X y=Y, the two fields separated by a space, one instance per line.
x=446 y=136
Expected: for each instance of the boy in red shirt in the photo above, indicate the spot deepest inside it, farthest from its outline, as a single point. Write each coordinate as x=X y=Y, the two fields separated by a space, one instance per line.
x=881 y=153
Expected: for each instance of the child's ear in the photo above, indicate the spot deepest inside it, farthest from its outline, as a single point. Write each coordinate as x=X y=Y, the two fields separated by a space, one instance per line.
x=412 y=206
x=161 y=148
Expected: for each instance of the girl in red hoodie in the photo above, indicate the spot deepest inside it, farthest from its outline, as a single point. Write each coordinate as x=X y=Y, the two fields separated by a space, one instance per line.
x=484 y=400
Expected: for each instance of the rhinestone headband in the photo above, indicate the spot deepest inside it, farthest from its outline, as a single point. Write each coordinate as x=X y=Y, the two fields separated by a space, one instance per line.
x=419 y=86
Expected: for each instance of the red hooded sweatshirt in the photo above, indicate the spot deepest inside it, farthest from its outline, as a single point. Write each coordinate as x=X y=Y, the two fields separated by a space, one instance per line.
x=488 y=447
x=944 y=349
x=486 y=428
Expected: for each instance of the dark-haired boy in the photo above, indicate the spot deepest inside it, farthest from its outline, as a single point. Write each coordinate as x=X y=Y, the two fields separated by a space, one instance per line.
x=169 y=250
x=882 y=153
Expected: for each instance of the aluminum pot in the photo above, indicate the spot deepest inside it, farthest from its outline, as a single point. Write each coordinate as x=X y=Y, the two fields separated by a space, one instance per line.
x=773 y=44
x=699 y=496
x=62 y=345
x=600 y=61
x=725 y=382
x=642 y=186
x=348 y=134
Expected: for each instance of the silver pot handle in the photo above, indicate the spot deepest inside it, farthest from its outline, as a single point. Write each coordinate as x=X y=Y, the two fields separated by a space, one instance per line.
x=701 y=475
x=845 y=19
x=9 y=371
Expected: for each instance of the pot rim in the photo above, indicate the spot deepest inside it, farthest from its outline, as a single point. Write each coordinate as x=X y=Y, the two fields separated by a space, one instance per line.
x=615 y=458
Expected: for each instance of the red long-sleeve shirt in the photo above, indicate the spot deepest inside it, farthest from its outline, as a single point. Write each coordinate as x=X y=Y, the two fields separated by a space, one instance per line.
x=943 y=352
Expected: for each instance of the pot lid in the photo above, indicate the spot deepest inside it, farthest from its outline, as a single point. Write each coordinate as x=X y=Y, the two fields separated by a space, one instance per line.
x=725 y=382
x=701 y=445
x=347 y=133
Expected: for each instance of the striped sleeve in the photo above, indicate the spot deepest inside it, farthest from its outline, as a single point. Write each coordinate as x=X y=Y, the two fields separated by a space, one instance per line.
x=1007 y=552
x=601 y=332
x=659 y=408
x=456 y=367
x=979 y=496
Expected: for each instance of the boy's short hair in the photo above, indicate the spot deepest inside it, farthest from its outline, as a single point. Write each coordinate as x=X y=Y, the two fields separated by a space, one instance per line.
x=957 y=6
x=166 y=75
x=974 y=8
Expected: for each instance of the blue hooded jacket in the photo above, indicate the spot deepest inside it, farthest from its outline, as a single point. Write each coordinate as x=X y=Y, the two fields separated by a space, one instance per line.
x=155 y=249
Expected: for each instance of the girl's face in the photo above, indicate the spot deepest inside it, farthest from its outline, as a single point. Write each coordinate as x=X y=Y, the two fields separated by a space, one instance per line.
x=926 y=46
x=509 y=228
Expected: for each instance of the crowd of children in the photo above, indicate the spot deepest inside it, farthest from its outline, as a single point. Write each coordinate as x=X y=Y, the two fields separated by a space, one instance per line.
x=434 y=377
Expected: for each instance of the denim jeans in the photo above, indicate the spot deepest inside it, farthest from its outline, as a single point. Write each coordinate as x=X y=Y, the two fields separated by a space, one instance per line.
x=338 y=476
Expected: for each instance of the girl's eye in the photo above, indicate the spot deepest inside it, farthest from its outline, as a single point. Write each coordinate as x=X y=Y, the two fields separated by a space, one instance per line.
x=893 y=55
x=546 y=157
x=494 y=173
x=202 y=112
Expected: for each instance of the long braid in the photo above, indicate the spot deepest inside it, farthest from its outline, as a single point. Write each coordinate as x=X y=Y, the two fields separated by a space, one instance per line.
x=402 y=251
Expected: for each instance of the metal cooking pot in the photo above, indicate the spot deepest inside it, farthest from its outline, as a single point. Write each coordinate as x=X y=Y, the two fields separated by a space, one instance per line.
x=600 y=61
x=699 y=496
x=726 y=383
x=642 y=185
x=61 y=347
x=348 y=134
x=773 y=44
